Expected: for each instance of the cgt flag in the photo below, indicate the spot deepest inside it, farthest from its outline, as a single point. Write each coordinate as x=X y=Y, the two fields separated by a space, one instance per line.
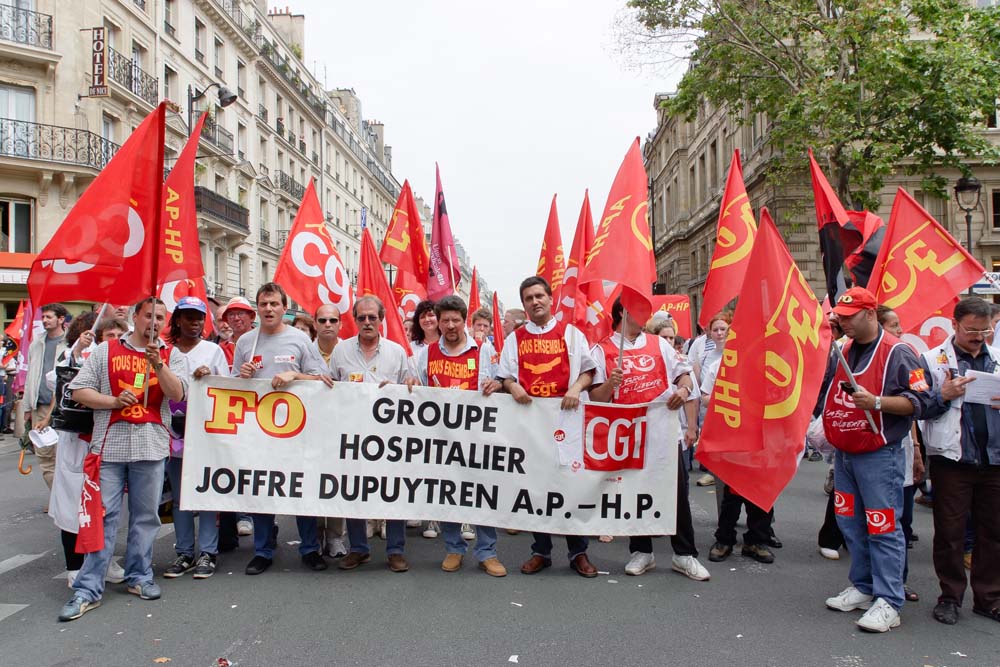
x=372 y=282
x=404 y=245
x=474 y=301
x=586 y=307
x=735 y=233
x=767 y=385
x=408 y=291
x=920 y=267
x=551 y=260
x=444 y=271
x=497 y=325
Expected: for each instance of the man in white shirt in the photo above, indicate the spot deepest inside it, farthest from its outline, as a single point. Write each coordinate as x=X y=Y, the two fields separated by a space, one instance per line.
x=332 y=530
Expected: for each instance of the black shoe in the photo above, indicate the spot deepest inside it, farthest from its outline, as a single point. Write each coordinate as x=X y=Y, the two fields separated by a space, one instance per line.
x=205 y=567
x=7 y=431
x=774 y=542
x=993 y=613
x=180 y=565
x=720 y=552
x=758 y=552
x=946 y=612
x=314 y=561
x=258 y=564
x=914 y=537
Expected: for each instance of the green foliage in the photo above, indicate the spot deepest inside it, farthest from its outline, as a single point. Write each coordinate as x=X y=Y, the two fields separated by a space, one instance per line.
x=867 y=84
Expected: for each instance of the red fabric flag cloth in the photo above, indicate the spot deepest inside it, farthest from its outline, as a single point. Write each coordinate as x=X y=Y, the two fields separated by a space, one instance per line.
x=839 y=235
x=405 y=246
x=310 y=268
x=933 y=330
x=444 y=272
x=180 y=270
x=767 y=384
x=734 y=237
x=13 y=332
x=408 y=292
x=920 y=267
x=372 y=282
x=497 y=325
x=861 y=262
x=622 y=251
x=551 y=259
x=678 y=306
x=90 y=537
x=475 y=303
x=572 y=305
x=105 y=249
x=31 y=316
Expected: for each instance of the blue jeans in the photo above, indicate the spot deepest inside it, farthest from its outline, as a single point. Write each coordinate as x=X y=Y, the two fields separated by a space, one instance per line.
x=486 y=540
x=263 y=535
x=395 y=536
x=208 y=530
x=145 y=485
x=542 y=546
x=875 y=480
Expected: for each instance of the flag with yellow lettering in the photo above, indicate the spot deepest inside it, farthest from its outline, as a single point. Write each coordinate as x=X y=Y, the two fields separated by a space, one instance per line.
x=405 y=246
x=373 y=282
x=770 y=374
x=734 y=237
x=920 y=267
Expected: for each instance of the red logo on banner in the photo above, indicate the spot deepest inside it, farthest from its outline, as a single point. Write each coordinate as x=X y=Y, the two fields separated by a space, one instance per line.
x=843 y=503
x=559 y=435
x=881 y=521
x=614 y=437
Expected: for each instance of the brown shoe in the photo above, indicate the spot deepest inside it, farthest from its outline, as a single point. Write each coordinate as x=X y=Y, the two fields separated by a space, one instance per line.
x=352 y=560
x=493 y=567
x=583 y=566
x=397 y=563
x=535 y=564
x=452 y=563
x=511 y=531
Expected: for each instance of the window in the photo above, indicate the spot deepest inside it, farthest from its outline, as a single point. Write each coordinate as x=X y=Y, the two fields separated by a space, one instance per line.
x=15 y=225
x=17 y=108
x=219 y=58
x=241 y=79
x=168 y=18
x=199 y=41
x=995 y=202
x=169 y=82
x=264 y=225
x=241 y=141
x=265 y=272
x=219 y=270
x=244 y=273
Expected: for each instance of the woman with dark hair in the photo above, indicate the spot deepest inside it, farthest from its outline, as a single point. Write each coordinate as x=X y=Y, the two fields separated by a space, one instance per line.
x=306 y=325
x=425 y=326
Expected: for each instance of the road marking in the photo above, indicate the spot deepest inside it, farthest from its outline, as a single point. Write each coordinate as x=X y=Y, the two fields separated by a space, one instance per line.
x=10 y=609
x=17 y=561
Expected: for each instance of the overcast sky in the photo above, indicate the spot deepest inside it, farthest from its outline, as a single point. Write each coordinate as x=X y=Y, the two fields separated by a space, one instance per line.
x=515 y=100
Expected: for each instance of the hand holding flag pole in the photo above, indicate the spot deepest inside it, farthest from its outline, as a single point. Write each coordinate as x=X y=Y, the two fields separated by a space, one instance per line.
x=854 y=383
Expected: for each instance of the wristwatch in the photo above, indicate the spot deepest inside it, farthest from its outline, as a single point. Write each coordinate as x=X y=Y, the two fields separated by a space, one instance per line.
x=878 y=403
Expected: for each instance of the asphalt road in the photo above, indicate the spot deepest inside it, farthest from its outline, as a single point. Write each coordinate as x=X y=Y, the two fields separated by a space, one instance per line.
x=748 y=614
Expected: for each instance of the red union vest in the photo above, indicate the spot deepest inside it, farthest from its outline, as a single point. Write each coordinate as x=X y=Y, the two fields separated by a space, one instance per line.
x=543 y=361
x=845 y=425
x=644 y=371
x=459 y=372
x=128 y=369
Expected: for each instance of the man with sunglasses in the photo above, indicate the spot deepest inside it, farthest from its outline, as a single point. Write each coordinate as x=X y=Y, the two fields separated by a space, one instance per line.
x=963 y=441
x=332 y=530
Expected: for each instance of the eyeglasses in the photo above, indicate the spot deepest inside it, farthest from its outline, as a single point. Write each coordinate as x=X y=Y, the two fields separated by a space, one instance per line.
x=976 y=332
x=367 y=318
x=325 y=320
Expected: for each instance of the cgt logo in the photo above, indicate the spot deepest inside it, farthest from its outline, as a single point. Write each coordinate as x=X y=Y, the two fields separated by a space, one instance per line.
x=881 y=521
x=640 y=363
x=614 y=437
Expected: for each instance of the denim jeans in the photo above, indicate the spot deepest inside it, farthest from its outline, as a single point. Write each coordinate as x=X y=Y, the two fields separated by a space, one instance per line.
x=542 y=546
x=145 y=485
x=263 y=535
x=395 y=536
x=875 y=482
x=486 y=540
x=208 y=531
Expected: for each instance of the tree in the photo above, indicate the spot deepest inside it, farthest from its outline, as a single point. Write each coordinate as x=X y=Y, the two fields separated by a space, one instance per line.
x=870 y=85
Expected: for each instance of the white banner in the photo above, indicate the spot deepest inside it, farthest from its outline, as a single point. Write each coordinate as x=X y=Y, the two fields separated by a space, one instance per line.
x=436 y=454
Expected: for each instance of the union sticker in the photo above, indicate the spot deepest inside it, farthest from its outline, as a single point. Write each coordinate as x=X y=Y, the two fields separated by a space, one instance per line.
x=917 y=380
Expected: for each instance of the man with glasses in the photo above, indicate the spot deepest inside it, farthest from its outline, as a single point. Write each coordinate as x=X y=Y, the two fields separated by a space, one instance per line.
x=368 y=357
x=963 y=441
x=327 y=318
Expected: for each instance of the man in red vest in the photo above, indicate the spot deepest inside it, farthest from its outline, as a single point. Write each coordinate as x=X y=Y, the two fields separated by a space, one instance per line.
x=547 y=359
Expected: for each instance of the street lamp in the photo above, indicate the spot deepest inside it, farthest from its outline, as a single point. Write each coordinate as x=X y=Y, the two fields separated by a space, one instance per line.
x=967 y=192
x=226 y=97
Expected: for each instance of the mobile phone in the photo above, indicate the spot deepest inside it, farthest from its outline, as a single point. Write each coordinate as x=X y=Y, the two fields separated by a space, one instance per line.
x=847 y=387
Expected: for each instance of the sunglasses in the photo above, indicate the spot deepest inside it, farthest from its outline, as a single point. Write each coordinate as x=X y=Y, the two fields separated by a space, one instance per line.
x=367 y=318
x=327 y=320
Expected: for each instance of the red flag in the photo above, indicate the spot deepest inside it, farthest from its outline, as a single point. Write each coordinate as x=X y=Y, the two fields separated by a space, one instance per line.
x=444 y=272
x=920 y=267
x=105 y=249
x=839 y=236
x=678 y=306
x=767 y=384
x=408 y=292
x=474 y=302
x=497 y=325
x=32 y=316
x=310 y=269
x=623 y=250
x=405 y=246
x=734 y=237
x=587 y=307
x=13 y=331
x=551 y=260
x=372 y=282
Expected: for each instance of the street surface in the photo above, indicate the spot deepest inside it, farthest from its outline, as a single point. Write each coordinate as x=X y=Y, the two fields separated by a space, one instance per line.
x=748 y=614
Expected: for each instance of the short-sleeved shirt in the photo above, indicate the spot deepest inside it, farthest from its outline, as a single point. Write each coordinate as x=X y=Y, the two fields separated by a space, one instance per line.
x=576 y=345
x=287 y=350
x=389 y=364
x=322 y=357
x=487 y=368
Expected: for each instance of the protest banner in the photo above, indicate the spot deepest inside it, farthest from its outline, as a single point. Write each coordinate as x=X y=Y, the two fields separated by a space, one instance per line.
x=360 y=451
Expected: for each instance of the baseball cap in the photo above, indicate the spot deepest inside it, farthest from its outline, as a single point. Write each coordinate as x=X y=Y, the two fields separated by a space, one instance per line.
x=238 y=303
x=855 y=300
x=191 y=303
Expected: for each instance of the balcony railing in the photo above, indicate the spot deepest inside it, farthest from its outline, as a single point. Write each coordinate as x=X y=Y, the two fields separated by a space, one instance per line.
x=217 y=135
x=169 y=29
x=279 y=125
x=282 y=237
x=25 y=27
x=128 y=74
x=265 y=237
x=290 y=185
x=302 y=146
x=224 y=209
x=246 y=23
x=35 y=141
x=315 y=157
x=284 y=66
x=199 y=55
x=262 y=112
x=141 y=4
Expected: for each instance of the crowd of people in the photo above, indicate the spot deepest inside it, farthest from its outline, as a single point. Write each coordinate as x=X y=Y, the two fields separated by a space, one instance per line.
x=896 y=420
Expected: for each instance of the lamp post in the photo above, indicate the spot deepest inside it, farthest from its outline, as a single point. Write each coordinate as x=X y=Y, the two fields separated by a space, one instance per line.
x=226 y=97
x=967 y=192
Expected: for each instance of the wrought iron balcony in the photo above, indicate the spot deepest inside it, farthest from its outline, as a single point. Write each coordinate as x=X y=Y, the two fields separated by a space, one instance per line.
x=245 y=22
x=279 y=125
x=25 y=27
x=221 y=208
x=302 y=146
x=262 y=112
x=129 y=75
x=217 y=135
x=35 y=141
x=265 y=237
x=141 y=4
x=290 y=185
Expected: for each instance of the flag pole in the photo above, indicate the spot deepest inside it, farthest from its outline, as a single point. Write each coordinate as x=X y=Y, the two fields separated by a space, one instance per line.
x=100 y=314
x=621 y=343
x=854 y=383
x=152 y=338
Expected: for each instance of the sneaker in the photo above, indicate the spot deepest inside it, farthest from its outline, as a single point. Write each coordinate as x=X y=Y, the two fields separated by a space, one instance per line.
x=815 y=456
x=244 y=527
x=829 y=554
x=706 y=480
x=77 y=607
x=314 y=561
x=336 y=548
x=432 y=530
x=690 y=567
x=115 y=573
x=849 y=599
x=828 y=484
x=370 y=528
x=71 y=577
x=205 y=567
x=180 y=565
x=381 y=530
x=146 y=590
x=945 y=612
x=467 y=532
x=758 y=552
x=640 y=563
x=720 y=552
x=414 y=523
x=879 y=618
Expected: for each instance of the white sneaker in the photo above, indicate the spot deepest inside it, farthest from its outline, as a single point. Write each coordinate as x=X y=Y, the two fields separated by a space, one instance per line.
x=244 y=527
x=829 y=554
x=879 y=618
x=381 y=530
x=369 y=528
x=336 y=548
x=115 y=573
x=849 y=599
x=432 y=530
x=71 y=577
x=414 y=523
x=640 y=563
x=706 y=480
x=690 y=567
x=467 y=532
